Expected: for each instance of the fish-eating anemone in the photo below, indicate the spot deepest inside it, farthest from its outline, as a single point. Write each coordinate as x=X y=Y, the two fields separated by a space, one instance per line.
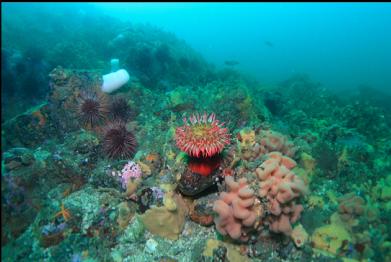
x=203 y=138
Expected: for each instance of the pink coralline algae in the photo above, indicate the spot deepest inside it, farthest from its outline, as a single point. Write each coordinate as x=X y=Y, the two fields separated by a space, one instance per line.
x=130 y=171
x=235 y=209
x=281 y=187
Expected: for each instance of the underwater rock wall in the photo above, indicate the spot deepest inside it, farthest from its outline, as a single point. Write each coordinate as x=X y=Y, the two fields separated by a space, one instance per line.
x=87 y=42
x=60 y=153
x=101 y=177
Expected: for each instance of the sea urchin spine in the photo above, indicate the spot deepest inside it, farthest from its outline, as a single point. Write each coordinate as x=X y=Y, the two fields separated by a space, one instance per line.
x=119 y=109
x=92 y=108
x=119 y=143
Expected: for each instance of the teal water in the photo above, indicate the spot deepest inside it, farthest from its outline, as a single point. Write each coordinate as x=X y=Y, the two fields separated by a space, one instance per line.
x=342 y=45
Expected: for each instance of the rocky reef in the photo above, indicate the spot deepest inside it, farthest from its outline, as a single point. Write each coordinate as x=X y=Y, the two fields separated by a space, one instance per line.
x=189 y=163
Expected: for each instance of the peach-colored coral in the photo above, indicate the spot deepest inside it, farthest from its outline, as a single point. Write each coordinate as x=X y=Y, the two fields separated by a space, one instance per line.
x=269 y=141
x=235 y=209
x=281 y=187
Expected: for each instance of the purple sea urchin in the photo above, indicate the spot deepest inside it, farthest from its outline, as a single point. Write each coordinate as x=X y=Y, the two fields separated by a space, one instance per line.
x=92 y=108
x=118 y=142
x=119 y=109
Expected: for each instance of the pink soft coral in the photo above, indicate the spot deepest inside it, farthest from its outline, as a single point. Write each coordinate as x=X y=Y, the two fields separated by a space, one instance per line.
x=130 y=171
x=235 y=209
x=269 y=141
x=281 y=187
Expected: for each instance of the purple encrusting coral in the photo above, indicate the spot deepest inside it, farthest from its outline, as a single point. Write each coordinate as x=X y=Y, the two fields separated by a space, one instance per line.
x=157 y=192
x=130 y=171
x=14 y=197
x=76 y=258
x=52 y=228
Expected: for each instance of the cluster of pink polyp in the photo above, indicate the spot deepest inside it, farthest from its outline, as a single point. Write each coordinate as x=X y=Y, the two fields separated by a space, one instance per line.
x=130 y=171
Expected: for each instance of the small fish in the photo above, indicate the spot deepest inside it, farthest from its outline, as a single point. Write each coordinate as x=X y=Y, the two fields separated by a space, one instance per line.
x=269 y=44
x=178 y=108
x=231 y=63
x=182 y=107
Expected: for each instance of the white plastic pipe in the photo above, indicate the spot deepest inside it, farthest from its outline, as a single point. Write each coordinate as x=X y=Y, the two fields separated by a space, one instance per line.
x=115 y=80
x=114 y=64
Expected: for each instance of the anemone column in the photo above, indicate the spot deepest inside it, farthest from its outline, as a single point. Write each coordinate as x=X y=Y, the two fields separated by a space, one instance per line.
x=202 y=138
